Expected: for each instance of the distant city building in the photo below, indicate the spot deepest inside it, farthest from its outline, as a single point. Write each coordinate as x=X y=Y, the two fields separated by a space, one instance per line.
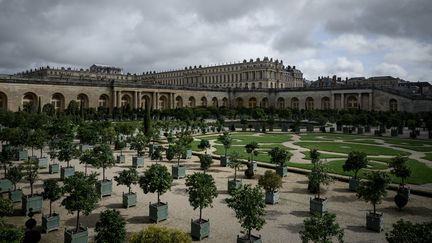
x=327 y=82
x=378 y=81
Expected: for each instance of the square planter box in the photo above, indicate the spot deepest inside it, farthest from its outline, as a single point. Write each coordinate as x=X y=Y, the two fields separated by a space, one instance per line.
x=22 y=155
x=178 y=171
x=34 y=203
x=50 y=223
x=254 y=165
x=353 y=184
x=394 y=132
x=5 y=185
x=43 y=162
x=375 y=222
x=54 y=168
x=129 y=200
x=66 y=172
x=121 y=159
x=233 y=185
x=224 y=161
x=322 y=129
x=200 y=230
x=157 y=212
x=318 y=205
x=187 y=155
x=138 y=161
x=282 y=171
x=272 y=197
x=104 y=188
x=245 y=239
x=16 y=196
x=80 y=237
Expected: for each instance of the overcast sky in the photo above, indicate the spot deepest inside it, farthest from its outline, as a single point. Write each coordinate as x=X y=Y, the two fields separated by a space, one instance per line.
x=319 y=37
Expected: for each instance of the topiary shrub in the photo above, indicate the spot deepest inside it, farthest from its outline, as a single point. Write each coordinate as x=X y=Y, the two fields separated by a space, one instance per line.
x=160 y=234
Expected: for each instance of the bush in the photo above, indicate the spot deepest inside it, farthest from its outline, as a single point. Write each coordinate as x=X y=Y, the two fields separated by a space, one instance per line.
x=407 y=232
x=321 y=228
x=270 y=181
x=110 y=227
x=355 y=162
x=160 y=234
x=205 y=161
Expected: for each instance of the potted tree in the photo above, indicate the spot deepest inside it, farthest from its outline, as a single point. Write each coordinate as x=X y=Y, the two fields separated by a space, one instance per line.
x=53 y=192
x=14 y=175
x=204 y=145
x=400 y=169
x=248 y=204
x=120 y=145
x=170 y=153
x=315 y=157
x=102 y=157
x=373 y=190
x=156 y=179
x=39 y=138
x=355 y=162
x=186 y=140
x=31 y=202
x=235 y=163
x=157 y=154
x=205 y=161
x=202 y=190
x=81 y=197
x=139 y=142
x=67 y=152
x=319 y=176
x=54 y=167
x=251 y=149
x=271 y=182
x=111 y=227
x=280 y=156
x=6 y=156
x=127 y=178
x=178 y=171
x=321 y=228
x=226 y=141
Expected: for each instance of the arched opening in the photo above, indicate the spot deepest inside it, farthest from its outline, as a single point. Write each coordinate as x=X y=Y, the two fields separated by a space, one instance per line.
x=295 y=103
x=253 y=85
x=393 y=105
x=3 y=101
x=103 y=101
x=260 y=85
x=239 y=102
x=57 y=100
x=29 y=101
x=179 y=102
x=309 y=104
x=145 y=101
x=325 y=103
x=265 y=102
x=225 y=102
x=281 y=103
x=126 y=100
x=192 y=102
x=252 y=102
x=352 y=102
x=204 y=101
x=163 y=102
x=215 y=102
x=83 y=100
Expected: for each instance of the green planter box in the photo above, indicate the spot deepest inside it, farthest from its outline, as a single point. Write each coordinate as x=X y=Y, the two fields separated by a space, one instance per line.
x=178 y=171
x=187 y=155
x=375 y=222
x=80 y=237
x=22 y=155
x=104 y=188
x=5 y=185
x=34 y=203
x=254 y=165
x=157 y=212
x=121 y=159
x=233 y=185
x=272 y=197
x=200 y=230
x=138 y=161
x=282 y=171
x=66 y=172
x=245 y=239
x=353 y=184
x=129 y=200
x=16 y=196
x=318 y=205
x=54 y=168
x=224 y=161
x=43 y=162
x=50 y=223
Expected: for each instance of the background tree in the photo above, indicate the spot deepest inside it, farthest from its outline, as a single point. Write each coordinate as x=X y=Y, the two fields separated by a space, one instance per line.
x=319 y=176
x=157 y=154
x=373 y=190
x=37 y=139
x=400 y=169
x=202 y=190
x=170 y=153
x=321 y=228
x=248 y=204
x=251 y=148
x=204 y=145
x=270 y=181
x=52 y=192
x=205 y=161
x=111 y=227
x=127 y=178
x=235 y=163
x=102 y=157
x=314 y=155
x=6 y=156
x=156 y=179
x=8 y=233
x=226 y=141
x=355 y=162
x=31 y=168
x=279 y=156
x=178 y=149
x=138 y=143
x=14 y=174
x=67 y=150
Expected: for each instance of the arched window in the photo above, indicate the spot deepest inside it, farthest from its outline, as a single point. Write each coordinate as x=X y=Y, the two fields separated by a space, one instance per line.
x=265 y=103
x=204 y=101
x=192 y=101
x=215 y=102
x=126 y=100
x=103 y=101
x=57 y=100
x=295 y=103
x=179 y=102
x=3 y=101
x=352 y=102
x=281 y=103
x=252 y=102
x=325 y=103
x=239 y=102
x=29 y=100
x=225 y=102
x=309 y=103
x=393 y=105
x=163 y=103
x=83 y=100
x=145 y=101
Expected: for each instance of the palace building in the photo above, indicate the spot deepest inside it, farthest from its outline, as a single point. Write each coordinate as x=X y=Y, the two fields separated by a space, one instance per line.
x=254 y=83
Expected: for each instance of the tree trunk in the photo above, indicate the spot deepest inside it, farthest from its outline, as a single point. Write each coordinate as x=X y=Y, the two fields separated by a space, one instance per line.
x=374 y=208
x=50 y=208
x=67 y=163
x=129 y=189
x=41 y=152
x=77 y=222
x=31 y=189
x=103 y=173
x=249 y=234
x=235 y=174
x=32 y=150
x=158 y=200
x=200 y=217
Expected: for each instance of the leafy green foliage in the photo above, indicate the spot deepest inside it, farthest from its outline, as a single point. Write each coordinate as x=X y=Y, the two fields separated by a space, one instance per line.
x=52 y=191
x=319 y=176
x=160 y=234
x=270 y=181
x=156 y=179
x=373 y=190
x=170 y=153
x=204 y=145
x=407 y=232
x=139 y=142
x=251 y=148
x=321 y=228
x=314 y=155
x=355 y=162
x=226 y=141
x=111 y=227
x=102 y=157
x=10 y=233
x=248 y=204
x=202 y=190
x=279 y=156
x=205 y=161
x=31 y=169
x=157 y=153
x=400 y=168
x=14 y=174
x=127 y=178
x=67 y=150
x=235 y=163
x=6 y=207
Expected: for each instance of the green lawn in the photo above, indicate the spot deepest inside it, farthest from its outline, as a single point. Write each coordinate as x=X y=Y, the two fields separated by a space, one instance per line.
x=407 y=141
x=263 y=155
x=244 y=138
x=415 y=148
x=324 y=156
x=346 y=148
x=337 y=136
x=428 y=156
